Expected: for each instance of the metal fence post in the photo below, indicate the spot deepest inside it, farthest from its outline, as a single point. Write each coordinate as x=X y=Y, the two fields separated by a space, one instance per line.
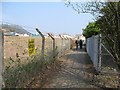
x=43 y=41
x=53 y=40
x=53 y=44
x=67 y=43
x=1 y=58
x=71 y=43
x=61 y=43
x=100 y=54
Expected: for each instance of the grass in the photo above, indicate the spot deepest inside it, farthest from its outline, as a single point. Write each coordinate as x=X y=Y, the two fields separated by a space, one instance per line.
x=19 y=75
x=19 y=69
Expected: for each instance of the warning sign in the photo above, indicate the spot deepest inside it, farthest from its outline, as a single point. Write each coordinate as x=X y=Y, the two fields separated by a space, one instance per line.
x=31 y=47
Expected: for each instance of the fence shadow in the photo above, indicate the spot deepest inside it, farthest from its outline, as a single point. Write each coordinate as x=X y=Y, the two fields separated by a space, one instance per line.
x=80 y=62
x=80 y=56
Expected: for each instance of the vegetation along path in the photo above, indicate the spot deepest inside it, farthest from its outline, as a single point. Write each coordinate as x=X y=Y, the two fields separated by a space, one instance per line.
x=77 y=71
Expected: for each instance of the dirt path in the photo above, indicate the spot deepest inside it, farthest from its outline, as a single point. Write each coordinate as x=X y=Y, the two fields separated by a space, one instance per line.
x=76 y=72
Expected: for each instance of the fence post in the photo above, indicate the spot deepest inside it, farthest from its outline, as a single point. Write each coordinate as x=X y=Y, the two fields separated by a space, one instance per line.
x=100 y=54
x=71 y=43
x=43 y=41
x=53 y=44
x=1 y=58
x=62 y=39
x=61 y=43
x=67 y=43
x=53 y=40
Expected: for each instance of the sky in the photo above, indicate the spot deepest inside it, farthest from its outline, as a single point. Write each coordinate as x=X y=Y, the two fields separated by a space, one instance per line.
x=54 y=17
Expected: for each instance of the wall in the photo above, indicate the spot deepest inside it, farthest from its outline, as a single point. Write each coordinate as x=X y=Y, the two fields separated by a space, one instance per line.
x=92 y=47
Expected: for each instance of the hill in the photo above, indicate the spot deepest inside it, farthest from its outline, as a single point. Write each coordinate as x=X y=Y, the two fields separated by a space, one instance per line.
x=14 y=28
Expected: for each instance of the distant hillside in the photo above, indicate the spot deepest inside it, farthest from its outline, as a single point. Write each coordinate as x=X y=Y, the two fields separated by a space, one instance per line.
x=14 y=28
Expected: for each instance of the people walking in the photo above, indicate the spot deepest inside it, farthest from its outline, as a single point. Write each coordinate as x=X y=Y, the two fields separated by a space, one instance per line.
x=76 y=42
x=80 y=43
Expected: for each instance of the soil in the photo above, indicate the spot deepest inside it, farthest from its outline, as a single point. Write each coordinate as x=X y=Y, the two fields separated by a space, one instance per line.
x=46 y=75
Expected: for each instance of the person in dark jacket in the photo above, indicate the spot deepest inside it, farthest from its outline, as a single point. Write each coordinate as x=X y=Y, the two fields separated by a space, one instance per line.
x=76 y=42
x=80 y=43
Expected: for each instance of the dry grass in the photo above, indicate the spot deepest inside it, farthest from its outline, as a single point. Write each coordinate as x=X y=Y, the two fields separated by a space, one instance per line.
x=19 y=68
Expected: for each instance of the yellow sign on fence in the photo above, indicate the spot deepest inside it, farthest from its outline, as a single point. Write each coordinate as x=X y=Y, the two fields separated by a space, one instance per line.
x=31 y=46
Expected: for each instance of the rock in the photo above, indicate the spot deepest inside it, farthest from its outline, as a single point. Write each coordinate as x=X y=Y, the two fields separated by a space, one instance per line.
x=114 y=70
x=117 y=77
x=109 y=68
x=48 y=67
x=107 y=86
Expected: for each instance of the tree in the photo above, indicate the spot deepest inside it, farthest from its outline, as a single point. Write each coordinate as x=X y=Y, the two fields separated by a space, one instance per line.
x=107 y=15
x=91 y=29
x=110 y=28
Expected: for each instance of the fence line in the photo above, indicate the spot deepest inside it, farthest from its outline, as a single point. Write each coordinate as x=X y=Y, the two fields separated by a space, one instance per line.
x=97 y=51
x=18 y=63
x=92 y=47
x=1 y=58
x=65 y=45
x=43 y=41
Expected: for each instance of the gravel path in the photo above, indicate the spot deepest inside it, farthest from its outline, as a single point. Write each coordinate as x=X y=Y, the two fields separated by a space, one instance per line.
x=77 y=71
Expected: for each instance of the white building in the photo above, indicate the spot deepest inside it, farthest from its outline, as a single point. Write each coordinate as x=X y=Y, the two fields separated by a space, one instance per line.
x=18 y=34
x=67 y=36
x=80 y=37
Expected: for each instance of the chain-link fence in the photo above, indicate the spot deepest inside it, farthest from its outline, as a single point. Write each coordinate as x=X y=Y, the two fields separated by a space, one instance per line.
x=99 y=52
x=103 y=62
